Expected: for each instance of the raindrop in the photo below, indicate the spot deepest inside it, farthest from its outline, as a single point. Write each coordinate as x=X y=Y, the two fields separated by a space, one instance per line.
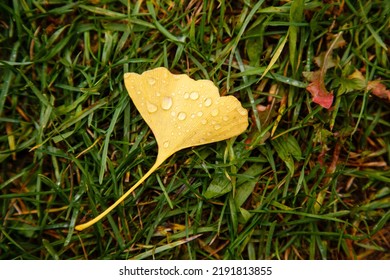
x=204 y=121
x=225 y=118
x=182 y=116
x=217 y=126
x=166 y=144
x=186 y=95
x=139 y=92
x=151 y=107
x=208 y=102
x=194 y=95
x=192 y=116
x=214 y=112
x=242 y=111
x=166 y=103
x=173 y=113
x=151 y=81
x=200 y=113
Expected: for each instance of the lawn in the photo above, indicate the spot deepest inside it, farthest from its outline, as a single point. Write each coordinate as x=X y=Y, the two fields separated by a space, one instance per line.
x=309 y=178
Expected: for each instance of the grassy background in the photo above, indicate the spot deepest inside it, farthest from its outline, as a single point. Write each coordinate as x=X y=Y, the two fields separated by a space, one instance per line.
x=305 y=182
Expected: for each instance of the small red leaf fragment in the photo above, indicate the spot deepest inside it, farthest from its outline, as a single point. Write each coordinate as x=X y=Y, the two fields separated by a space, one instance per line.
x=379 y=89
x=320 y=95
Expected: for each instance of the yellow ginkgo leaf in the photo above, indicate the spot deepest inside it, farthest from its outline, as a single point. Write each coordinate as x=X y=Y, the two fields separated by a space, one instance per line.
x=182 y=113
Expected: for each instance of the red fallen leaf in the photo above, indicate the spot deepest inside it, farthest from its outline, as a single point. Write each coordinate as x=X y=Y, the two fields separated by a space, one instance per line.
x=317 y=87
x=320 y=95
x=378 y=89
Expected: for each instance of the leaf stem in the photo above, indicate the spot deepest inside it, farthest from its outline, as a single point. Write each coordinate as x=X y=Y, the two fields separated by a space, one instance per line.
x=326 y=57
x=158 y=162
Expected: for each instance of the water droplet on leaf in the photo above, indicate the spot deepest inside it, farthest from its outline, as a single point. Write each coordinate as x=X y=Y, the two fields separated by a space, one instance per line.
x=182 y=116
x=166 y=103
x=194 y=95
x=242 y=111
x=208 y=102
x=151 y=107
x=151 y=81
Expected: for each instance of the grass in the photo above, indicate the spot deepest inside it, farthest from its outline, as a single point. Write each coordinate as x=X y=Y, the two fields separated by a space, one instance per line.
x=303 y=182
